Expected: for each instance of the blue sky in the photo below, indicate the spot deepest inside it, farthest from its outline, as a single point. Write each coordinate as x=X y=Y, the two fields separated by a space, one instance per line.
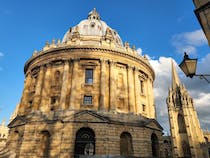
x=161 y=29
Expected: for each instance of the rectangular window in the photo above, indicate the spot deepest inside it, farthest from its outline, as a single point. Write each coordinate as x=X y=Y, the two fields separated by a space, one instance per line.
x=143 y=107
x=87 y=100
x=121 y=103
x=53 y=100
x=89 y=76
x=141 y=87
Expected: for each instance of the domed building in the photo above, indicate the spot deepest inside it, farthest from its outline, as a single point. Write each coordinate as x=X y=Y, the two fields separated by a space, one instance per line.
x=87 y=95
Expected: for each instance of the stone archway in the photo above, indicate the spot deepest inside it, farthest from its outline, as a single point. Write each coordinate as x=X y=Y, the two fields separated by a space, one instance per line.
x=44 y=144
x=186 y=149
x=155 y=145
x=181 y=124
x=85 y=142
x=126 y=146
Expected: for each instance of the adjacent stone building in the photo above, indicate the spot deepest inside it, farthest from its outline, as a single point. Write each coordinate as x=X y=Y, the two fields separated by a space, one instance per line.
x=3 y=134
x=202 y=12
x=86 y=95
x=186 y=134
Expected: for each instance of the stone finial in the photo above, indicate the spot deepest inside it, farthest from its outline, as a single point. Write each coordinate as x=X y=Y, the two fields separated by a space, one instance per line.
x=108 y=34
x=47 y=43
x=53 y=41
x=94 y=15
x=76 y=29
x=35 y=52
x=134 y=47
x=145 y=57
x=3 y=122
x=127 y=44
x=58 y=42
x=76 y=33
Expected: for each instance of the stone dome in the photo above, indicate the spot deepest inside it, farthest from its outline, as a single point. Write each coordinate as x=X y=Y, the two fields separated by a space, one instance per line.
x=93 y=26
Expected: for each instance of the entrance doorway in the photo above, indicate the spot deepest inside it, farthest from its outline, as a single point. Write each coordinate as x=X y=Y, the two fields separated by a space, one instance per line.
x=85 y=142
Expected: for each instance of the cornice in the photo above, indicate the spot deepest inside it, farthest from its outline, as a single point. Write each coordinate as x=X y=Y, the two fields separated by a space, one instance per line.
x=102 y=50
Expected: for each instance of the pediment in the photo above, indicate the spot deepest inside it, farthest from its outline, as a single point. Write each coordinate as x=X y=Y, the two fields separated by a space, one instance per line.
x=154 y=124
x=89 y=63
x=17 y=121
x=86 y=116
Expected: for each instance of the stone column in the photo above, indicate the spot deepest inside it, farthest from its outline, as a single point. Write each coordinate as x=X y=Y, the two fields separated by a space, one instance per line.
x=64 y=85
x=150 y=95
x=102 y=85
x=38 y=91
x=46 y=89
x=173 y=124
x=136 y=90
x=131 y=97
x=188 y=123
x=74 y=85
x=112 y=85
x=24 y=99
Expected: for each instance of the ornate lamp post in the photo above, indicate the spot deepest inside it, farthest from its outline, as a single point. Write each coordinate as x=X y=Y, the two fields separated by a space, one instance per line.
x=188 y=66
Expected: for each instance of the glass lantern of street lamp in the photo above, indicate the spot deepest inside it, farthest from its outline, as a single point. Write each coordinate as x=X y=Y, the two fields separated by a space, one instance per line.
x=188 y=66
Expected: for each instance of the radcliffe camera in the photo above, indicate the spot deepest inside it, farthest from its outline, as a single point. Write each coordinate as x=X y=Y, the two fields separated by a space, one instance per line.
x=91 y=94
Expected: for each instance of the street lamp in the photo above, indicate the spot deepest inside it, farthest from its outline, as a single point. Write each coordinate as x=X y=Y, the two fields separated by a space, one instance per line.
x=188 y=66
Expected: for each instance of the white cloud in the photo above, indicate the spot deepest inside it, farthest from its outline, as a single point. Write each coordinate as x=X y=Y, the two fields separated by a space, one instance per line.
x=197 y=88
x=196 y=38
x=202 y=99
x=161 y=85
x=188 y=41
x=139 y=51
x=1 y=54
x=187 y=48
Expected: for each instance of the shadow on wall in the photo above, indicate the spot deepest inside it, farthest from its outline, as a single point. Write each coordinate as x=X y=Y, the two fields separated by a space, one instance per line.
x=108 y=156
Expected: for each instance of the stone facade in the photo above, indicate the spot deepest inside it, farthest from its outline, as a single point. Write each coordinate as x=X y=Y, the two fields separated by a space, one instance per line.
x=187 y=136
x=87 y=95
x=3 y=134
x=202 y=12
x=207 y=139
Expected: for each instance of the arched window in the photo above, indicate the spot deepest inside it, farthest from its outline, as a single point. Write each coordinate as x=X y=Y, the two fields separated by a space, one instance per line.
x=155 y=145
x=181 y=124
x=178 y=98
x=57 y=75
x=17 y=137
x=85 y=142
x=45 y=144
x=206 y=139
x=126 y=146
x=186 y=149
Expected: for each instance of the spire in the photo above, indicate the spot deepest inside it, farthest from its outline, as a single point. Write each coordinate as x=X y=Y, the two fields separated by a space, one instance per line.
x=175 y=77
x=94 y=15
x=3 y=122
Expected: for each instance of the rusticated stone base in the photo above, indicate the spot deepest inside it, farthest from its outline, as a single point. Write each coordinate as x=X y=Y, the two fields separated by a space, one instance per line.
x=38 y=136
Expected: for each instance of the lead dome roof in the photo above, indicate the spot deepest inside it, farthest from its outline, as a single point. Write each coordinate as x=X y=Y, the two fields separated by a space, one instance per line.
x=93 y=26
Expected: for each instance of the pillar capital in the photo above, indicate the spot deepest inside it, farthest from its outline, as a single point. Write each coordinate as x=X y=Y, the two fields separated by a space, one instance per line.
x=66 y=62
x=102 y=60
x=112 y=63
x=129 y=67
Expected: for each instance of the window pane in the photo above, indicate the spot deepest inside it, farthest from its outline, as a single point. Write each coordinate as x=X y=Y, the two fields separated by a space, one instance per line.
x=89 y=76
x=142 y=87
x=143 y=107
x=87 y=100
